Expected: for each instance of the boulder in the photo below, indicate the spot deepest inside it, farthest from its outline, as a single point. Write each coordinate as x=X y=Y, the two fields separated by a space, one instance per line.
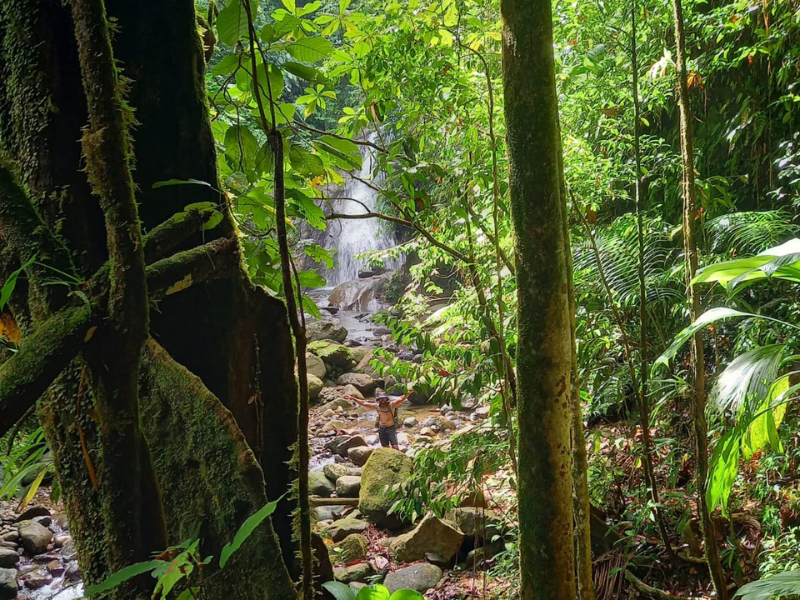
x=385 y=470
x=335 y=404
x=359 y=352
x=333 y=444
x=334 y=425
x=363 y=383
x=315 y=386
x=348 y=486
x=335 y=470
x=331 y=353
x=360 y=454
x=34 y=537
x=410 y=422
x=328 y=513
x=352 y=390
x=32 y=512
x=325 y=330
x=431 y=535
x=350 y=442
x=8 y=558
x=419 y=398
x=37 y=578
x=344 y=527
x=353 y=548
x=315 y=366
x=420 y=578
x=445 y=424
x=319 y=485
x=360 y=572
x=475 y=522
x=8 y=584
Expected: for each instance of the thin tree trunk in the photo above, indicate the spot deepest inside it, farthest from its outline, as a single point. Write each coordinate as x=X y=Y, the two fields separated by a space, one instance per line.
x=644 y=402
x=690 y=252
x=544 y=355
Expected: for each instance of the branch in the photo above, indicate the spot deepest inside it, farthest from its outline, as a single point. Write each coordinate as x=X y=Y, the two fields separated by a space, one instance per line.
x=214 y=260
x=503 y=256
x=171 y=233
x=40 y=359
x=302 y=125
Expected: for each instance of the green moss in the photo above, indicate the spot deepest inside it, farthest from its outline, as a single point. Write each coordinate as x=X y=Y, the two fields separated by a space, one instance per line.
x=385 y=470
x=353 y=547
x=210 y=480
x=331 y=352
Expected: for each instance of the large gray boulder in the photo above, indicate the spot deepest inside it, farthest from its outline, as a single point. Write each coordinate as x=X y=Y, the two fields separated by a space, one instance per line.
x=385 y=471
x=420 y=577
x=362 y=382
x=431 y=535
x=325 y=330
x=8 y=584
x=34 y=537
x=335 y=470
x=351 y=442
x=359 y=455
x=315 y=386
x=475 y=522
x=315 y=366
x=319 y=485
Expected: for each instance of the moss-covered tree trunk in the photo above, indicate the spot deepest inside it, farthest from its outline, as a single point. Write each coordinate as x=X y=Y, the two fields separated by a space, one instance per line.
x=232 y=335
x=544 y=355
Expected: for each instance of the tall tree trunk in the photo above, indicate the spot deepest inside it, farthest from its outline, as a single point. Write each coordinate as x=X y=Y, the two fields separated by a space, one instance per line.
x=698 y=361
x=233 y=335
x=544 y=355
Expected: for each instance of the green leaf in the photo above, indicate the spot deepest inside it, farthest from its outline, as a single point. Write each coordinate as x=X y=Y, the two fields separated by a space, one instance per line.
x=170 y=182
x=310 y=307
x=339 y=590
x=747 y=379
x=373 y=592
x=777 y=586
x=285 y=26
x=247 y=528
x=232 y=21
x=124 y=575
x=310 y=49
x=780 y=262
x=724 y=467
x=306 y=72
x=407 y=595
x=226 y=66
x=305 y=162
x=763 y=430
x=241 y=147
x=311 y=279
x=11 y=283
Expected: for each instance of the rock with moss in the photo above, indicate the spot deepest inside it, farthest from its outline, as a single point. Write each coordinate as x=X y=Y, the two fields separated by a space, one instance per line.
x=360 y=572
x=319 y=485
x=475 y=522
x=384 y=472
x=420 y=578
x=315 y=386
x=348 y=486
x=353 y=548
x=325 y=330
x=339 y=530
x=331 y=353
x=315 y=366
x=431 y=535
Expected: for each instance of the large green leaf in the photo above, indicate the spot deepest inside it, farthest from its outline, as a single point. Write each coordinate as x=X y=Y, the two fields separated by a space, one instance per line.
x=232 y=21
x=124 y=575
x=311 y=279
x=373 y=592
x=339 y=590
x=724 y=467
x=310 y=49
x=305 y=162
x=307 y=72
x=242 y=148
x=11 y=283
x=780 y=262
x=774 y=587
x=747 y=379
x=407 y=595
x=247 y=528
x=763 y=430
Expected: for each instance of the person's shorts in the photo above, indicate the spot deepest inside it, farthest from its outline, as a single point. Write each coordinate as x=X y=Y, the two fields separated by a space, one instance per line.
x=388 y=436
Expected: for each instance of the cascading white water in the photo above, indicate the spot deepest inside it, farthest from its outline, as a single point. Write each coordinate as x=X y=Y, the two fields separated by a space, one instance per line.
x=354 y=237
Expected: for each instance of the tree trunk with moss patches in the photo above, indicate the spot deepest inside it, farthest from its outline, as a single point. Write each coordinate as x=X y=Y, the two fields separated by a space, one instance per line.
x=235 y=336
x=698 y=361
x=544 y=355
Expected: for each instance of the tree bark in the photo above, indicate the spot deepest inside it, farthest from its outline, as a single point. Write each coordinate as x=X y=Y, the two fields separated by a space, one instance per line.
x=697 y=358
x=544 y=354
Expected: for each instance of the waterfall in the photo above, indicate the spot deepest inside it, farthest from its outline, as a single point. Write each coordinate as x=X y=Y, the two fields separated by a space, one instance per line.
x=353 y=237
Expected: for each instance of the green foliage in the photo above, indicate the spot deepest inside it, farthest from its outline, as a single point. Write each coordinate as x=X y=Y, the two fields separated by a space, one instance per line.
x=28 y=461
x=777 y=586
x=340 y=591
x=246 y=530
x=11 y=283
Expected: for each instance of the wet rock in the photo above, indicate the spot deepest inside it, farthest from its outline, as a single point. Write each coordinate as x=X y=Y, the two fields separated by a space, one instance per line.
x=315 y=386
x=328 y=414
x=56 y=568
x=423 y=439
x=385 y=470
x=334 y=471
x=8 y=558
x=359 y=455
x=475 y=522
x=34 y=537
x=437 y=559
x=420 y=577
x=402 y=439
x=344 y=527
x=315 y=365
x=353 y=548
x=319 y=485
x=331 y=353
x=37 y=578
x=333 y=445
x=359 y=352
x=431 y=535
x=73 y=572
x=325 y=330
x=425 y=431
x=352 y=390
x=348 y=486
x=33 y=512
x=410 y=422
x=334 y=425
x=60 y=539
x=362 y=382
x=327 y=513
x=8 y=584
x=445 y=424
x=350 y=442
x=359 y=294
x=10 y=536
x=69 y=552
x=9 y=545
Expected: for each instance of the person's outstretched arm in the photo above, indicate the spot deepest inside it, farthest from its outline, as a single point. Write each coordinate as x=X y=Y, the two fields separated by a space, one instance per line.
x=361 y=402
x=401 y=399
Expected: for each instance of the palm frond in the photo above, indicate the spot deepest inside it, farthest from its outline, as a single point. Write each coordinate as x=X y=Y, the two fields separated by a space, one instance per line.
x=778 y=586
x=744 y=233
x=747 y=379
